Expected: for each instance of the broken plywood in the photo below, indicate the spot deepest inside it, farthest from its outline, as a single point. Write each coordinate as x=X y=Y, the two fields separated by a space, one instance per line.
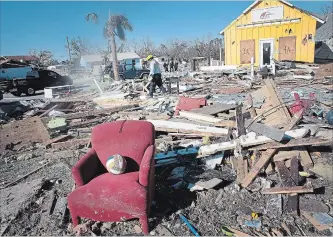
x=287 y=48
x=214 y=109
x=23 y=132
x=247 y=51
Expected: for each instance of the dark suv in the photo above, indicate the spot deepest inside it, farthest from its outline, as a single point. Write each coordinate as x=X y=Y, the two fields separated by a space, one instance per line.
x=127 y=71
x=38 y=80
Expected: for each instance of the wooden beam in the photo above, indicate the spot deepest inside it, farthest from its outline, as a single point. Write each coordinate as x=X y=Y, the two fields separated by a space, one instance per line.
x=168 y=126
x=226 y=123
x=288 y=190
x=285 y=155
x=264 y=159
x=214 y=109
x=199 y=117
x=312 y=141
x=293 y=200
x=48 y=111
x=250 y=139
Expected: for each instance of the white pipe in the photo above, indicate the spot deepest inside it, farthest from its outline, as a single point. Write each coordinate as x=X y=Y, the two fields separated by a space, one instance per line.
x=99 y=88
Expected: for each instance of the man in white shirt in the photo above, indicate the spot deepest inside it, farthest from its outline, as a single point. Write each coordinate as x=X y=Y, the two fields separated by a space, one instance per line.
x=155 y=73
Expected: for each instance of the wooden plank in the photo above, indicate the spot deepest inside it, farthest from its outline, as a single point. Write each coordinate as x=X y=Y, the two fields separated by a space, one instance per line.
x=293 y=201
x=287 y=48
x=48 y=111
x=239 y=121
x=277 y=101
x=57 y=139
x=311 y=141
x=214 y=109
x=161 y=125
x=249 y=139
x=262 y=129
x=247 y=51
x=199 y=117
x=288 y=190
x=225 y=123
x=263 y=160
x=294 y=120
x=284 y=174
x=240 y=169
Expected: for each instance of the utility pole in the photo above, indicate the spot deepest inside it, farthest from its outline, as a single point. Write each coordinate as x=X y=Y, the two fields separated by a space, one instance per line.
x=69 y=50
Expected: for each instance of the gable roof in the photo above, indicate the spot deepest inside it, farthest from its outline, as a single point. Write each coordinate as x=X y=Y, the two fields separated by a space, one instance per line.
x=283 y=1
x=325 y=32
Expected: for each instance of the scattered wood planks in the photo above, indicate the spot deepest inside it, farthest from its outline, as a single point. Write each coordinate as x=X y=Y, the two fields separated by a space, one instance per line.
x=288 y=190
x=214 y=109
x=312 y=141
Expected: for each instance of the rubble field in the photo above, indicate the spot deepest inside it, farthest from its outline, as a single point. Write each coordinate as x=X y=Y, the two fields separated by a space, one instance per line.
x=236 y=155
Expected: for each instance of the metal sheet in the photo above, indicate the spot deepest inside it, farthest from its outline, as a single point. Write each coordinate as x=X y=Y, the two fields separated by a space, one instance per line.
x=287 y=48
x=247 y=50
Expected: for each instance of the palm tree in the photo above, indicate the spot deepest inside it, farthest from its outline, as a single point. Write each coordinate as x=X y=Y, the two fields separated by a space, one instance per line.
x=116 y=25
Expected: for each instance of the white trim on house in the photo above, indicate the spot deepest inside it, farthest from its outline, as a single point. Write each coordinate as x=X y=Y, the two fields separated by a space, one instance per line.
x=275 y=22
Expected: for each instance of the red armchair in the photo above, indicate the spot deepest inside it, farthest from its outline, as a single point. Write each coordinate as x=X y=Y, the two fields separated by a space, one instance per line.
x=102 y=196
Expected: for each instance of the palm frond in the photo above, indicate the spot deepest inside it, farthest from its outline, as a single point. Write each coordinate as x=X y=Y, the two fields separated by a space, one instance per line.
x=92 y=16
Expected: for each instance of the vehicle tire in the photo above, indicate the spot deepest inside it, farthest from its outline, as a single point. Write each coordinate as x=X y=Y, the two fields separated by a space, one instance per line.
x=30 y=91
x=145 y=77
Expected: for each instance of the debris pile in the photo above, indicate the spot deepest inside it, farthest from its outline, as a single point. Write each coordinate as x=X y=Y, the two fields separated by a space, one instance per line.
x=234 y=156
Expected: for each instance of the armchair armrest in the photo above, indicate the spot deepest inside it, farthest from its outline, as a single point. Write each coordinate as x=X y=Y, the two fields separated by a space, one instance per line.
x=88 y=167
x=146 y=165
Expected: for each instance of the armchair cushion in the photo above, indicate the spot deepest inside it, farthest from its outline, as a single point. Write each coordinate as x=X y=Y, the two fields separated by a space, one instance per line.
x=110 y=197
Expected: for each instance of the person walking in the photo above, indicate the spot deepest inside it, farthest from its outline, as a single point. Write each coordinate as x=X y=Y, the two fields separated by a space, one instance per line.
x=171 y=65
x=176 y=65
x=155 y=73
x=165 y=65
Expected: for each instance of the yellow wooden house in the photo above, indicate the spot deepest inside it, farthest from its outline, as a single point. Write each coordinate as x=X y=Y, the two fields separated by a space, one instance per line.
x=271 y=29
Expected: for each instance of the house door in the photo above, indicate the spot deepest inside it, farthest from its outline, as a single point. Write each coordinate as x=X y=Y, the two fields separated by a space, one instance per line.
x=266 y=51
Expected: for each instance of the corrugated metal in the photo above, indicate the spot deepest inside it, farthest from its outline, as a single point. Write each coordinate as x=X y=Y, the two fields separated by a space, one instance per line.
x=304 y=29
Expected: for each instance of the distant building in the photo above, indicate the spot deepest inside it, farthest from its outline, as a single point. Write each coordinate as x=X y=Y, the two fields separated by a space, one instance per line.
x=22 y=58
x=89 y=61
x=271 y=29
x=324 y=41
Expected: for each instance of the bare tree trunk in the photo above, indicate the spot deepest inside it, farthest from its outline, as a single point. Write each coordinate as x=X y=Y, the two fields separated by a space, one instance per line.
x=114 y=57
x=69 y=51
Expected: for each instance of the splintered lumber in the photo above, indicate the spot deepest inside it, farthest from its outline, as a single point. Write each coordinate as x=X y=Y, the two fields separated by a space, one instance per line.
x=225 y=123
x=57 y=139
x=169 y=126
x=23 y=132
x=273 y=110
x=239 y=121
x=294 y=120
x=48 y=111
x=293 y=200
x=247 y=140
x=262 y=129
x=214 y=109
x=98 y=112
x=199 y=117
x=312 y=141
x=264 y=159
x=288 y=190
x=70 y=143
